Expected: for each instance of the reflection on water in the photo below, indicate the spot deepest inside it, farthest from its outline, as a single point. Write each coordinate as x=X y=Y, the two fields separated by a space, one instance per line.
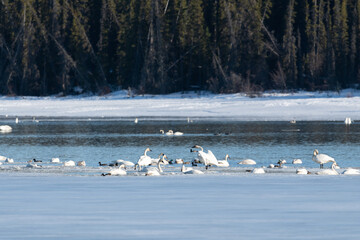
x=266 y=142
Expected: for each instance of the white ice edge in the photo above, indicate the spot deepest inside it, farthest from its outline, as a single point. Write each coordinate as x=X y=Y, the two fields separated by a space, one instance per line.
x=301 y=106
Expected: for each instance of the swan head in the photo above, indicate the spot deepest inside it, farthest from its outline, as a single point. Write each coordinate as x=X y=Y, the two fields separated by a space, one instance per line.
x=148 y=150
x=123 y=166
x=198 y=147
x=316 y=152
x=227 y=157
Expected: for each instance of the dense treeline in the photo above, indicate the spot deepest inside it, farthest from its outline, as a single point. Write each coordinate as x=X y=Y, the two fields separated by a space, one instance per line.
x=160 y=46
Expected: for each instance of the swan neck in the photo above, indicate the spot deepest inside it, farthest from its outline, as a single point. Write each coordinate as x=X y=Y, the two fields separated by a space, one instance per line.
x=159 y=167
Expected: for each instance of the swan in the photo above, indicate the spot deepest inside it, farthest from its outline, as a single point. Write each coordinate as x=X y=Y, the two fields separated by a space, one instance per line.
x=154 y=161
x=5 y=128
x=224 y=163
x=258 y=171
x=70 y=163
x=247 y=162
x=144 y=160
x=3 y=158
x=55 y=160
x=81 y=163
x=176 y=133
x=297 y=161
x=126 y=163
x=189 y=170
x=302 y=171
x=169 y=133
x=331 y=171
x=116 y=172
x=271 y=166
x=155 y=171
x=32 y=165
x=348 y=121
x=321 y=158
x=351 y=171
x=207 y=159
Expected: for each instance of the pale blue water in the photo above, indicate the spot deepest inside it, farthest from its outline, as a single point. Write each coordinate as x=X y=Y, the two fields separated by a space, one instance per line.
x=107 y=140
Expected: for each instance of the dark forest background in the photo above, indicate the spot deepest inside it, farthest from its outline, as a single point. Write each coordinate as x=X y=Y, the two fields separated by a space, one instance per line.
x=162 y=46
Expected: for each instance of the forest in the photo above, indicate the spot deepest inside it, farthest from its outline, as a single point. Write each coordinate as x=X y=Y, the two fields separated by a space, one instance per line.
x=65 y=47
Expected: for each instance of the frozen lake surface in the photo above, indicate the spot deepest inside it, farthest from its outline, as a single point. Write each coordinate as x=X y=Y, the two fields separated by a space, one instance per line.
x=180 y=207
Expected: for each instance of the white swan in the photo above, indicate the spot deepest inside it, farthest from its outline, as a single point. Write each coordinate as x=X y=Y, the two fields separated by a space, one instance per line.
x=169 y=133
x=126 y=163
x=55 y=160
x=271 y=166
x=208 y=159
x=302 y=171
x=351 y=171
x=154 y=161
x=70 y=163
x=297 y=161
x=144 y=160
x=224 y=163
x=32 y=165
x=189 y=170
x=3 y=158
x=258 y=171
x=5 y=128
x=116 y=172
x=348 y=121
x=322 y=158
x=247 y=162
x=176 y=133
x=81 y=163
x=331 y=171
x=155 y=171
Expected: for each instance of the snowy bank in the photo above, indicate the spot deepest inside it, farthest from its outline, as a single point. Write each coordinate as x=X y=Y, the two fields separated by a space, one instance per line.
x=306 y=106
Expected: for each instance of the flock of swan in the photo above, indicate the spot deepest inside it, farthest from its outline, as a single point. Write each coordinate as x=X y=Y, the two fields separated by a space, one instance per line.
x=149 y=166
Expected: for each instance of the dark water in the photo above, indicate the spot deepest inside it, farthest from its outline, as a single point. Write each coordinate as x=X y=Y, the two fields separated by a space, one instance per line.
x=105 y=141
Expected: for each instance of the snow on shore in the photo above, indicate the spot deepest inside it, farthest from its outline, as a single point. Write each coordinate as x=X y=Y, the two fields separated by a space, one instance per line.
x=270 y=106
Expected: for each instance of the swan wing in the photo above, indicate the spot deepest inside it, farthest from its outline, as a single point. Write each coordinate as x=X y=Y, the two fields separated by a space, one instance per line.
x=144 y=160
x=211 y=158
x=202 y=157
